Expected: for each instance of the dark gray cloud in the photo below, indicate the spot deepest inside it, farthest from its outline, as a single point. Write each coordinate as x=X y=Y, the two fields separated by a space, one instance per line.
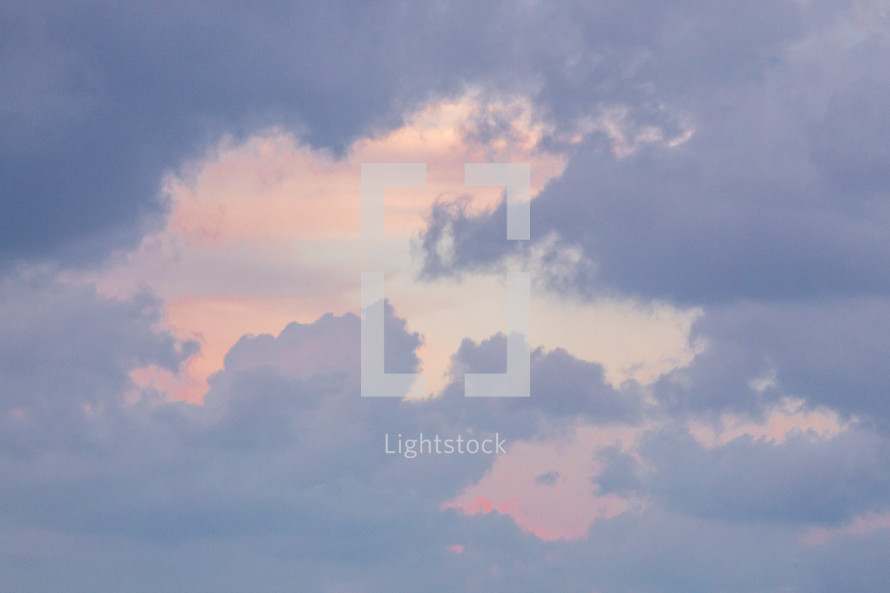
x=564 y=390
x=777 y=195
x=621 y=474
x=804 y=479
x=826 y=352
x=548 y=479
x=65 y=358
x=99 y=100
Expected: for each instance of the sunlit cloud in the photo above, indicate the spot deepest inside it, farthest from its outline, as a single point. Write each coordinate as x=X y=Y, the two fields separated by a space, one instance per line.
x=266 y=232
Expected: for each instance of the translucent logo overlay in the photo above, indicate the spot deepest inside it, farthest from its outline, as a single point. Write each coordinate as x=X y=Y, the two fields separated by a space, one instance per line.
x=515 y=382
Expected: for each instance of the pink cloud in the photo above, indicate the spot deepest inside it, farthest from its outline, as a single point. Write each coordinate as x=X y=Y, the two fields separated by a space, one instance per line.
x=268 y=231
x=562 y=509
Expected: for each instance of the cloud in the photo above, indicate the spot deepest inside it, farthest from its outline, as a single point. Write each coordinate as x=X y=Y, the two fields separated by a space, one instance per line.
x=548 y=479
x=564 y=390
x=773 y=193
x=826 y=352
x=723 y=159
x=804 y=479
x=66 y=358
x=284 y=450
x=621 y=473
x=282 y=472
x=109 y=98
x=267 y=231
x=280 y=448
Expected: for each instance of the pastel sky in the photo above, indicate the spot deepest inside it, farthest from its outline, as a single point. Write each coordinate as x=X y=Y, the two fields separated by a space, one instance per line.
x=180 y=296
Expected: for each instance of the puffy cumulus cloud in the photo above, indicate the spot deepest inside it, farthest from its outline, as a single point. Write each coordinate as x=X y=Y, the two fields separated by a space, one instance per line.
x=281 y=477
x=564 y=390
x=284 y=453
x=267 y=231
x=284 y=450
x=325 y=346
x=66 y=355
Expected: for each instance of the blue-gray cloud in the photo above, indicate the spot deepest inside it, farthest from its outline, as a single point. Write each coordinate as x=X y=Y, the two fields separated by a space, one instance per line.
x=283 y=450
x=804 y=479
x=281 y=475
x=100 y=100
x=564 y=390
x=65 y=358
x=828 y=353
x=777 y=195
x=771 y=216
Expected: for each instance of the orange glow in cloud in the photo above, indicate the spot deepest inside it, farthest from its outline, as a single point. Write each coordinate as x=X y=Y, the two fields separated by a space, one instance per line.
x=787 y=418
x=223 y=321
x=272 y=188
x=267 y=232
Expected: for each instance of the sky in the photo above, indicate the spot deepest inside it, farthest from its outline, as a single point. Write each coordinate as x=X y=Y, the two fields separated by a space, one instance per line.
x=181 y=261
